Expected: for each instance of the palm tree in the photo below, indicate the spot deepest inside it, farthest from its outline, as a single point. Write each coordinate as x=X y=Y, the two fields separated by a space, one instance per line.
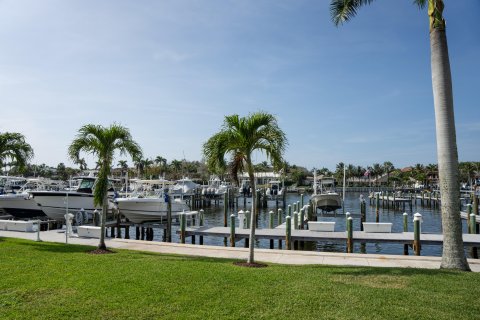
x=103 y=142
x=161 y=162
x=122 y=164
x=453 y=255
x=14 y=148
x=146 y=164
x=176 y=166
x=239 y=138
x=387 y=168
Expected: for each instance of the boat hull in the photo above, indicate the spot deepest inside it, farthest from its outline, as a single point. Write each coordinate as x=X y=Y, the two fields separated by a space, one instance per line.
x=327 y=202
x=54 y=203
x=140 y=210
x=20 y=206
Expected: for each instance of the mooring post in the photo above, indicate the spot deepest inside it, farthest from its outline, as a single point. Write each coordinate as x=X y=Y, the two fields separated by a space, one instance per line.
x=288 y=235
x=247 y=220
x=302 y=218
x=270 y=225
x=411 y=204
x=38 y=231
x=473 y=223
x=473 y=230
x=200 y=222
x=182 y=227
x=295 y=227
x=289 y=210
x=363 y=214
x=232 y=230
x=280 y=218
x=301 y=200
x=225 y=209
x=377 y=208
x=416 y=233
x=475 y=204
x=169 y=218
x=388 y=200
x=295 y=220
x=349 y=234
x=405 y=229
x=469 y=212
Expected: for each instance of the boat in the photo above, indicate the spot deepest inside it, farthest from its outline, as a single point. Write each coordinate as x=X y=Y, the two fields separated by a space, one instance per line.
x=215 y=188
x=20 y=204
x=11 y=184
x=324 y=196
x=55 y=204
x=245 y=189
x=274 y=189
x=149 y=204
x=184 y=187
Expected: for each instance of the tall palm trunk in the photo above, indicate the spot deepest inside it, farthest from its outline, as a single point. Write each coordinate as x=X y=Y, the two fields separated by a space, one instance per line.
x=101 y=244
x=251 y=176
x=453 y=256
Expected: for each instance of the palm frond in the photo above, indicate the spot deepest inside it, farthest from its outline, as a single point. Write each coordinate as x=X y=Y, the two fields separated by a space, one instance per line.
x=14 y=147
x=343 y=10
x=421 y=3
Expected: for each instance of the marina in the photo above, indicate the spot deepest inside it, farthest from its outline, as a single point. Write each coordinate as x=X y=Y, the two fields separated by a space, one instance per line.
x=213 y=226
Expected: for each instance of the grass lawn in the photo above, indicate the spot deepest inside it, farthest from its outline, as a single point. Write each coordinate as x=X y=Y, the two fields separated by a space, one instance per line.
x=50 y=281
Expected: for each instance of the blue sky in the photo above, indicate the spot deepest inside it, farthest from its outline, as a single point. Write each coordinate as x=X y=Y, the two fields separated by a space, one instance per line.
x=171 y=70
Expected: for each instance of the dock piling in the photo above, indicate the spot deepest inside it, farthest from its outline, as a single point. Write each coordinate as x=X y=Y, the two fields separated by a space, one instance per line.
x=232 y=230
x=288 y=235
x=280 y=218
x=405 y=229
x=270 y=225
x=416 y=233
x=182 y=227
x=200 y=223
x=349 y=234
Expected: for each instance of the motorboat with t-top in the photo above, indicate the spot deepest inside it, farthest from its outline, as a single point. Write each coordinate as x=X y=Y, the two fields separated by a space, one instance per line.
x=55 y=204
x=149 y=204
x=324 y=195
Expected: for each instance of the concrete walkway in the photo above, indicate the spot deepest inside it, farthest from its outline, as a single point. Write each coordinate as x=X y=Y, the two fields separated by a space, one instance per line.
x=263 y=255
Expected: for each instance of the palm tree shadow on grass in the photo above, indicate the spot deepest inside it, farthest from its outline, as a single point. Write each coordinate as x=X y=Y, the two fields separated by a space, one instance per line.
x=384 y=271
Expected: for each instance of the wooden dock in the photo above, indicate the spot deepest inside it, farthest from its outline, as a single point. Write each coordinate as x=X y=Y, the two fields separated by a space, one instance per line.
x=307 y=235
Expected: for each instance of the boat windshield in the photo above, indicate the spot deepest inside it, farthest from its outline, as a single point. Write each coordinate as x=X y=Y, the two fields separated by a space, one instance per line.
x=86 y=184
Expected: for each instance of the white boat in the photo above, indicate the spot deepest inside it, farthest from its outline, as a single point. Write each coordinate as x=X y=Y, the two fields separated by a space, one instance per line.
x=275 y=189
x=11 y=184
x=20 y=205
x=56 y=203
x=140 y=210
x=184 y=186
x=148 y=202
x=324 y=196
x=245 y=189
x=215 y=187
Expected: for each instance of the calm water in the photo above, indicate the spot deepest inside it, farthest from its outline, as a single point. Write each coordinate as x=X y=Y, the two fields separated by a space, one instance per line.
x=431 y=224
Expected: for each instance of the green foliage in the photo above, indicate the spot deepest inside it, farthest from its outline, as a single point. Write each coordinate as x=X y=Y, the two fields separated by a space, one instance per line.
x=58 y=281
x=240 y=137
x=13 y=147
x=102 y=142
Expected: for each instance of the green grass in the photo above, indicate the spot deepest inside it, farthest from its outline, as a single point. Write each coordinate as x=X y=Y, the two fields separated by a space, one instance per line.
x=50 y=281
